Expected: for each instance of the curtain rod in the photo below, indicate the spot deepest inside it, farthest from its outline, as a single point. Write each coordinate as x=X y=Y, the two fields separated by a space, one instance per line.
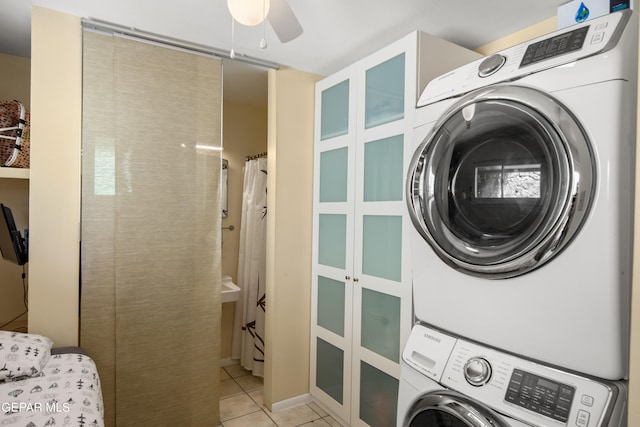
x=99 y=25
x=255 y=156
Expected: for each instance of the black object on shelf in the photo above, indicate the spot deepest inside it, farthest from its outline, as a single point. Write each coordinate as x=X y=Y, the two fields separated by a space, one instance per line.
x=12 y=245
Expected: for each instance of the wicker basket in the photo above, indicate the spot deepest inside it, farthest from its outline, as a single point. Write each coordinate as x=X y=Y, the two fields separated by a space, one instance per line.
x=14 y=134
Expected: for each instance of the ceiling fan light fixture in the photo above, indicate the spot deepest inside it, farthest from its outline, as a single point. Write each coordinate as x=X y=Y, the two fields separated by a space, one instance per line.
x=249 y=12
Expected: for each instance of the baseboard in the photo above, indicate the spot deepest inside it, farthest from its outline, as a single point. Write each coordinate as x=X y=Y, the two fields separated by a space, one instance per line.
x=283 y=405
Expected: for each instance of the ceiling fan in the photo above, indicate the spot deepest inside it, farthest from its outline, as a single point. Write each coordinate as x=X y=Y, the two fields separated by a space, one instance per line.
x=284 y=21
x=277 y=12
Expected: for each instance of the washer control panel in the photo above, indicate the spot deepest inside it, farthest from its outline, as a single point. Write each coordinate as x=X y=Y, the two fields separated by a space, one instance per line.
x=542 y=395
x=524 y=390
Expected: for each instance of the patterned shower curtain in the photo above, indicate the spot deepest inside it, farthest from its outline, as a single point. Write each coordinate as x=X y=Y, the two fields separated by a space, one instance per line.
x=249 y=342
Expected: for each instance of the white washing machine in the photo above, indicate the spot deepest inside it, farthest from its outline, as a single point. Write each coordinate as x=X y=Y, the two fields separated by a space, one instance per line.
x=450 y=382
x=521 y=193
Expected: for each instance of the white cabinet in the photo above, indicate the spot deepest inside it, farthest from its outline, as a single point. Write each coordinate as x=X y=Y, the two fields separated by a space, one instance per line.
x=361 y=297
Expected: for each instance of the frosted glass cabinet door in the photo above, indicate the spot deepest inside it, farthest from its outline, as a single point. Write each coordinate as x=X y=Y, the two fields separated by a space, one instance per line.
x=331 y=305
x=381 y=324
x=383 y=173
x=384 y=92
x=378 y=397
x=334 y=120
x=330 y=370
x=332 y=241
x=382 y=246
x=334 y=169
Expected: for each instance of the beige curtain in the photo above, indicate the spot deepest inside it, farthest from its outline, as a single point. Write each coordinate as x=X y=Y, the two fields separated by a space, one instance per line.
x=151 y=222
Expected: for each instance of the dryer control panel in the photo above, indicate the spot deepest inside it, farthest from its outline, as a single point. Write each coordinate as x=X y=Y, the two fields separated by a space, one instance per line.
x=553 y=50
x=522 y=389
x=561 y=44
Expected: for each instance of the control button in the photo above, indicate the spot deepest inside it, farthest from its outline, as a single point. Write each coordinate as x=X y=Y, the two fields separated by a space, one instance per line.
x=601 y=26
x=491 y=65
x=583 y=418
x=587 y=400
x=561 y=416
x=546 y=412
x=597 y=38
x=562 y=407
x=477 y=371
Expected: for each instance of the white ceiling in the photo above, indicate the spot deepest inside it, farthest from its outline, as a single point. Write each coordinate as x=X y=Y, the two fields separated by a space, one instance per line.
x=336 y=32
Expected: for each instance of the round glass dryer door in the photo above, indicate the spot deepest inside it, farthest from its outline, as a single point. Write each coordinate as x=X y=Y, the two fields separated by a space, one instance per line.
x=503 y=182
x=450 y=409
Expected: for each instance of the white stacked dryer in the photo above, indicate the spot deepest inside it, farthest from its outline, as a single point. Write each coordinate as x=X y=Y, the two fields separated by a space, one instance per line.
x=521 y=194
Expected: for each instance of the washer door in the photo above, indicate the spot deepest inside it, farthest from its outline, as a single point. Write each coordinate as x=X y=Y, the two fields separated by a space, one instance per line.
x=503 y=182
x=450 y=409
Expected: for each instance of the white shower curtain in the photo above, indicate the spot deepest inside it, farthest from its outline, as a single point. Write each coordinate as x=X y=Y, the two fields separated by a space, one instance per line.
x=248 y=338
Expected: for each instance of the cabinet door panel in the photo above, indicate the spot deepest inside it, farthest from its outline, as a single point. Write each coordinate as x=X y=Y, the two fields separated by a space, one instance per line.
x=331 y=309
x=383 y=169
x=382 y=291
x=334 y=175
x=334 y=119
x=332 y=286
x=332 y=242
x=382 y=246
x=380 y=324
x=330 y=370
x=384 y=93
x=378 y=397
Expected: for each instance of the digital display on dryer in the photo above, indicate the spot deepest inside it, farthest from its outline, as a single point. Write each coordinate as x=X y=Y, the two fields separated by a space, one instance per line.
x=541 y=395
x=555 y=46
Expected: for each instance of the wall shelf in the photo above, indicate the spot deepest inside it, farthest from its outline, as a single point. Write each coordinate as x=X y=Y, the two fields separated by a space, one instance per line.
x=17 y=173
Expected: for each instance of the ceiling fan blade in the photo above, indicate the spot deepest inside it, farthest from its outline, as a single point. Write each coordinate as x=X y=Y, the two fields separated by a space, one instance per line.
x=284 y=21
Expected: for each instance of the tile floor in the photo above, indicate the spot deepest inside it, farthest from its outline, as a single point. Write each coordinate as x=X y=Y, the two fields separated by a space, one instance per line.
x=241 y=404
